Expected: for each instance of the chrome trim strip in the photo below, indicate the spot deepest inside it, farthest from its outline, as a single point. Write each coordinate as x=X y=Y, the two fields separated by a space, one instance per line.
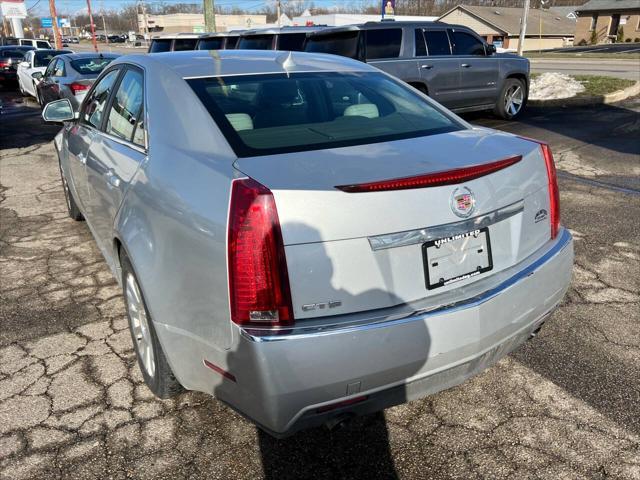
x=257 y=336
x=411 y=237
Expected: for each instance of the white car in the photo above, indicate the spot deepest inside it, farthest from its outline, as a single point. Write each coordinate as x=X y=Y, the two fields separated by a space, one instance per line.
x=31 y=69
x=35 y=43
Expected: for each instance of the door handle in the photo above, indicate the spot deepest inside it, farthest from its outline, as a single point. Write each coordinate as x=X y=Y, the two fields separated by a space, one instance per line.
x=112 y=178
x=426 y=67
x=466 y=65
x=82 y=159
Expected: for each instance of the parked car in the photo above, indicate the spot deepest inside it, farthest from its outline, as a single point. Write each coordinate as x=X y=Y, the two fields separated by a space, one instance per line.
x=31 y=69
x=307 y=237
x=218 y=41
x=35 y=43
x=5 y=41
x=450 y=63
x=10 y=57
x=284 y=38
x=70 y=76
x=116 y=39
x=178 y=42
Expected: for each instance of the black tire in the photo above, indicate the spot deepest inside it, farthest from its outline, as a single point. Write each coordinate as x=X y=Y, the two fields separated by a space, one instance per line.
x=503 y=107
x=72 y=206
x=161 y=381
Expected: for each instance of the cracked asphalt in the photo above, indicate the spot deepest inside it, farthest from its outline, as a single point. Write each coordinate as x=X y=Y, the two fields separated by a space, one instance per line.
x=565 y=405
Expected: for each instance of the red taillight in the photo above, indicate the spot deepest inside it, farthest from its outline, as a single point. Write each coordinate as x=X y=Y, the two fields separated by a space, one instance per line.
x=258 y=280
x=4 y=63
x=77 y=88
x=344 y=403
x=448 y=177
x=554 y=193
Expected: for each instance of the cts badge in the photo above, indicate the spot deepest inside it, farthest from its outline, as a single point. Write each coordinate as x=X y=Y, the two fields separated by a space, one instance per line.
x=463 y=202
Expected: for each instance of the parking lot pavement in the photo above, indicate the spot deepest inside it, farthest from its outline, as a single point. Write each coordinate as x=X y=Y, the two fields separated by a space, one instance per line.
x=565 y=405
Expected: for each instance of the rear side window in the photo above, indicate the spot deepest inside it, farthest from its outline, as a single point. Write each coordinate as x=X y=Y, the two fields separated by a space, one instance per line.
x=384 y=43
x=231 y=43
x=278 y=113
x=343 y=43
x=291 y=41
x=256 y=42
x=466 y=44
x=421 y=46
x=210 y=43
x=43 y=45
x=158 y=46
x=437 y=42
x=58 y=70
x=94 y=106
x=126 y=108
x=88 y=66
x=182 y=44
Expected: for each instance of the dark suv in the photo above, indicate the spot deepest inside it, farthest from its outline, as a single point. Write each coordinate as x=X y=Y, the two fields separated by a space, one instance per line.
x=450 y=63
x=282 y=38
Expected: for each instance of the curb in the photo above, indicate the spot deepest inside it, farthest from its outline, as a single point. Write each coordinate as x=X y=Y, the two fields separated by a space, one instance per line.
x=582 y=101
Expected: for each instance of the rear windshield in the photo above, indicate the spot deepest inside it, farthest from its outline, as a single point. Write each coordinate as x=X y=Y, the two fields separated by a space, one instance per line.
x=291 y=41
x=87 y=66
x=343 y=43
x=256 y=42
x=42 y=58
x=210 y=43
x=279 y=113
x=160 y=46
x=13 y=53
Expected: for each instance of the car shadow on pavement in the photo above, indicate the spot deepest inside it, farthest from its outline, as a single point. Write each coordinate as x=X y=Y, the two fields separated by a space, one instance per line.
x=275 y=382
x=19 y=127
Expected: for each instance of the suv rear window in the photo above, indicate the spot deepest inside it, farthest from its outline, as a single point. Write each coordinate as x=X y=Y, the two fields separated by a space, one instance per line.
x=278 y=113
x=210 y=43
x=256 y=42
x=158 y=46
x=291 y=41
x=342 y=43
x=437 y=42
x=181 y=44
x=88 y=66
x=383 y=43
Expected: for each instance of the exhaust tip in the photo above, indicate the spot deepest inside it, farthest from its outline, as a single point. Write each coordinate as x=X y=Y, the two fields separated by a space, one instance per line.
x=536 y=331
x=338 y=422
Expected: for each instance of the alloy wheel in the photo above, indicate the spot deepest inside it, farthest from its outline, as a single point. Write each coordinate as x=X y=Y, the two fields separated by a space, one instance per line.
x=140 y=325
x=513 y=100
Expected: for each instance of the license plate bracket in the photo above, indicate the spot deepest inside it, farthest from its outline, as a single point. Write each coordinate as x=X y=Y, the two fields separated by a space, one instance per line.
x=458 y=257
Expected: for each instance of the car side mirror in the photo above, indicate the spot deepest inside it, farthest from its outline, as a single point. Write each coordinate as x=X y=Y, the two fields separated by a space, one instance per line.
x=58 y=111
x=37 y=75
x=491 y=49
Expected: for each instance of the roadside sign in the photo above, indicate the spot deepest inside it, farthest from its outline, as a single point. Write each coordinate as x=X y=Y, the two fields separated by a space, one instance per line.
x=13 y=9
x=47 y=22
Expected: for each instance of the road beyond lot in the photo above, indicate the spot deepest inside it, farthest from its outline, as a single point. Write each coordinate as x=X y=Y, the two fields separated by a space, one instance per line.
x=565 y=405
x=620 y=68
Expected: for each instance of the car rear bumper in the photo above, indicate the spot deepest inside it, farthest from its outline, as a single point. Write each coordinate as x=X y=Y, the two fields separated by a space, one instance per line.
x=294 y=380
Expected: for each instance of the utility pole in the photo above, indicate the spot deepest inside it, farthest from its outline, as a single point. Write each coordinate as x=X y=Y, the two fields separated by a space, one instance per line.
x=209 y=16
x=104 y=24
x=54 y=21
x=146 y=24
x=278 y=10
x=523 y=26
x=93 y=27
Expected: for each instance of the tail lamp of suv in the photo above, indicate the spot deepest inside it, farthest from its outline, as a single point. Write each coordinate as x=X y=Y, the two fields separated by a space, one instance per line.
x=258 y=281
x=554 y=193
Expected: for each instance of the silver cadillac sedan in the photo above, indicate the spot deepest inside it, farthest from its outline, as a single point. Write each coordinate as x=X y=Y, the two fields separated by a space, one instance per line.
x=306 y=237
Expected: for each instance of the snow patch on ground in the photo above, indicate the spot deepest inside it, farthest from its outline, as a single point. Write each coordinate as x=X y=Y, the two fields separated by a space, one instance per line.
x=551 y=85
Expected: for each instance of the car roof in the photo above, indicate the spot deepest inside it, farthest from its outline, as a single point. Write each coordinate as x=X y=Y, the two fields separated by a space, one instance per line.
x=380 y=25
x=177 y=35
x=26 y=48
x=211 y=63
x=280 y=30
x=78 y=56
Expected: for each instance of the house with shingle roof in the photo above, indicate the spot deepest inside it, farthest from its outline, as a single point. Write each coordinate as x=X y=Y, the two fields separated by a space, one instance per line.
x=501 y=26
x=607 y=21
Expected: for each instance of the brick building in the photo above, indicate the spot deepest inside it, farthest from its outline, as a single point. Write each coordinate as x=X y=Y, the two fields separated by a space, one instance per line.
x=600 y=21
